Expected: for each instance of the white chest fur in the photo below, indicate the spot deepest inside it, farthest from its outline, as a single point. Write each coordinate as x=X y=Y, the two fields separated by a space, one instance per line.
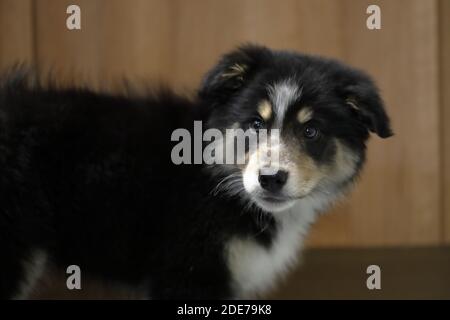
x=255 y=268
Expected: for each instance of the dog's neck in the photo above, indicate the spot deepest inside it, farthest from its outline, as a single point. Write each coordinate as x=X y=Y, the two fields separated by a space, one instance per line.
x=255 y=268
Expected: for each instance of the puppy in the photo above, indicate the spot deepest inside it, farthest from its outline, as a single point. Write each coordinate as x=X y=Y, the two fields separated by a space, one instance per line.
x=89 y=179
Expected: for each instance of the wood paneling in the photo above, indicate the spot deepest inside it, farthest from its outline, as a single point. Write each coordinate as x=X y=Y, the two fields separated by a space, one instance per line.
x=117 y=40
x=444 y=67
x=397 y=201
x=16 y=32
x=206 y=29
x=400 y=198
x=67 y=54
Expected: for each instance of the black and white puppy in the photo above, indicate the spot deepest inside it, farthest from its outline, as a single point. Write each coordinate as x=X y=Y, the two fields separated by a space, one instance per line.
x=88 y=179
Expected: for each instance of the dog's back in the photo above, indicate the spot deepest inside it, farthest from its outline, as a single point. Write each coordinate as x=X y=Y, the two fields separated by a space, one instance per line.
x=85 y=178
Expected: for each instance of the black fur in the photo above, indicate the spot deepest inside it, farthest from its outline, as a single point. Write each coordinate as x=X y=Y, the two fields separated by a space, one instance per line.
x=88 y=176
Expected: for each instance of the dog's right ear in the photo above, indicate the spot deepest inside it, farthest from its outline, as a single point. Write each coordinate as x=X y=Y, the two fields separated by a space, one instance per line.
x=232 y=73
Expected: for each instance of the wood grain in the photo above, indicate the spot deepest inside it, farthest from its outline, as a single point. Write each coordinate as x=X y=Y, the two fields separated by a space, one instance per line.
x=16 y=32
x=444 y=67
x=117 y=40
x=205 y=29
x=70 y=55
x=397 y=201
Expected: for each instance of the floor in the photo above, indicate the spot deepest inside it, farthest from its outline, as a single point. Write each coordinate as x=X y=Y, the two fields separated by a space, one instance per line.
x=406 y=273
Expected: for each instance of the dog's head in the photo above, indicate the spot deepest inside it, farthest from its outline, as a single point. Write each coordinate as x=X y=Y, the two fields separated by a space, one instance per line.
x=322 y=110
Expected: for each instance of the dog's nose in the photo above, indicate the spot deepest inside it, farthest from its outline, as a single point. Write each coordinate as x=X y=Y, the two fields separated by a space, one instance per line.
x=274 y=182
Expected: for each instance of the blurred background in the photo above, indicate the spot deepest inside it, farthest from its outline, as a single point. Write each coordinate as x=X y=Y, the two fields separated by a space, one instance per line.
x=398 y=217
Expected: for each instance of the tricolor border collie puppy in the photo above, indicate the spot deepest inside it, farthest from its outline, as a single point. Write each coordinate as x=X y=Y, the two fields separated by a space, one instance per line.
x=87 y=179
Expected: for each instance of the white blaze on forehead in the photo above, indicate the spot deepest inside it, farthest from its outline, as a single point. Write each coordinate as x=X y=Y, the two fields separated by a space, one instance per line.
x=283 y=94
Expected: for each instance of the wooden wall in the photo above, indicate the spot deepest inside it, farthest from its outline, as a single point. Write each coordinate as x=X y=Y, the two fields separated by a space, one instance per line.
x=16 y=32
x=444 y=67
x=402 y=198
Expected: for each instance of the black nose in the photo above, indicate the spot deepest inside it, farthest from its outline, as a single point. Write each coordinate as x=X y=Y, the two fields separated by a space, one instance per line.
x=273 y=183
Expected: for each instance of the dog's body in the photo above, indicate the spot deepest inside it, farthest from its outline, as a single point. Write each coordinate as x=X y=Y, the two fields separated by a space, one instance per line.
x=87 y=179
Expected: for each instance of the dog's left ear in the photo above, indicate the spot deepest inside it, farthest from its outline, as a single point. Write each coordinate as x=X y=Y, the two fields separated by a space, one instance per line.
x=232 y=73
x=361 y=94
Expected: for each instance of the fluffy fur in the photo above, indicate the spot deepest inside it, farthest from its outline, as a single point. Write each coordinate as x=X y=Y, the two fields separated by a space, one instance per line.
x=87 y=179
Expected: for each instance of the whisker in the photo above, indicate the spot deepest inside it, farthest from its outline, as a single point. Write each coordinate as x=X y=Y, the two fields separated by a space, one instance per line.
x=217 y=188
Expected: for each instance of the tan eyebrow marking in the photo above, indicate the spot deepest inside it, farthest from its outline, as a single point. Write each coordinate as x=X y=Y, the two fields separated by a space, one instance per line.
x=265 y=110
x=304 y=115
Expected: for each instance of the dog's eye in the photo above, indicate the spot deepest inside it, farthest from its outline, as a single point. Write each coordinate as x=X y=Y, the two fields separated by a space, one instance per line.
x=311 y=132
x=256 y=124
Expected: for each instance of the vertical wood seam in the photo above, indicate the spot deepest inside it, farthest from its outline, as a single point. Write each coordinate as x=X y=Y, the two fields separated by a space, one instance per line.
x=445 y=216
